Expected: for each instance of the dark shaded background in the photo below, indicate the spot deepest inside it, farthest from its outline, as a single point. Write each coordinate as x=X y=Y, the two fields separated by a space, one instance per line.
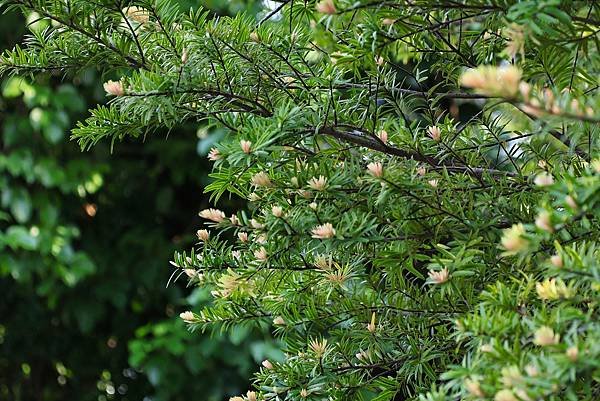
x=85 y=240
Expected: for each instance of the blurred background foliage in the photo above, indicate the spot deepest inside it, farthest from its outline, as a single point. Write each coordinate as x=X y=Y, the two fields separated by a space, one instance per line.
x=85 y=240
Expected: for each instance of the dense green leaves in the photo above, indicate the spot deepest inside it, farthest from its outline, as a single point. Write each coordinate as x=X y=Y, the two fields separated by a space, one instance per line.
x=422 y=176
x=85 y=240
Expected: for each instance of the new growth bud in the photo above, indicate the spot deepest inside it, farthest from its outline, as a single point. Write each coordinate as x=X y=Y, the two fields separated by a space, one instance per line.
x=326 y=7
x=114 y=88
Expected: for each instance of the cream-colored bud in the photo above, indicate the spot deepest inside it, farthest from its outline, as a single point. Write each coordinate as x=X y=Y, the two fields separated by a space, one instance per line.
x=246 y=146
x=137 y=14
x=375 y=169
x=261 y=254
x=572 y=353
x=531 y=370
x=435 y=133
x=493 y=81
x=383 y=136
x=254 y=37
x=261 y=239
x=545 y=336
x=553 y=289
x=576 y=107
x=215 y=215
x=371 y=327
x=278 y=321
x=556 y=261
x=362 y=355
x=434 y=183
x=243 y=236
x=522 y=394
x=267 y=364
x=184 y=56
x=277 y=211
x=473 y=387
x=318 y=184
x=543 y=221
x=326 y=7
x=313 y=205
x=323 y=231
x=187 y=316
x=114 y=88
x=548 y=98
x=589 y=111
x=511 y=376
x=512 y=239
x=505 y=395
x=525 y=90
x=439 y=277
x=319 y=347
x=203 y=235
x=261 y=179
x=323 y=262
x=486 y=348
x=214 y=154
x=516 y=35
x=571 y=202
x=543 y=180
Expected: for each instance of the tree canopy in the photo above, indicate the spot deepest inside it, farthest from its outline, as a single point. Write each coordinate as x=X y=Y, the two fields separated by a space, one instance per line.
x=422 y=176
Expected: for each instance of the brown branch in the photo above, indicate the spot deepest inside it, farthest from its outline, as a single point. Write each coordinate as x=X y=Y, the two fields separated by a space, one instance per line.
x=359 y=138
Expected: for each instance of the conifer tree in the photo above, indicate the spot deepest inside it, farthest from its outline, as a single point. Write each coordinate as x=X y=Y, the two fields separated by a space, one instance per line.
x=423 y=182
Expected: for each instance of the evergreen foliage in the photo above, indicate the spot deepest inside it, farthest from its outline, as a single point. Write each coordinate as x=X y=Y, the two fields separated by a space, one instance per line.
x=423 y=180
